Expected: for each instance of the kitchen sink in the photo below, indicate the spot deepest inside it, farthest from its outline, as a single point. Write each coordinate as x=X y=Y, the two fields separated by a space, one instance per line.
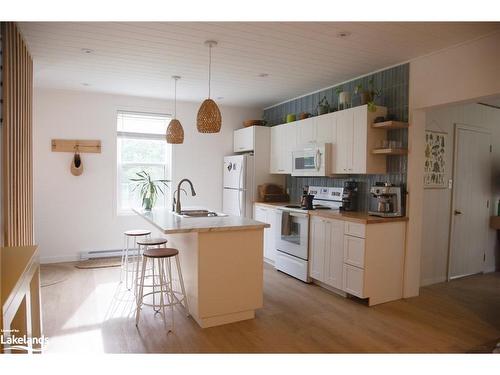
x=199 y=213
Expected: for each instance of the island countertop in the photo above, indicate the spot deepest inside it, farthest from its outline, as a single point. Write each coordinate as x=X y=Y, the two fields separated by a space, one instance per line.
x=169 y=223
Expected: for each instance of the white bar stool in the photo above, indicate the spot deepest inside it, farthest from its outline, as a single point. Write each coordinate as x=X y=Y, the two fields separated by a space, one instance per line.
x=168 y=295
x=131 y=254
x=143 y=244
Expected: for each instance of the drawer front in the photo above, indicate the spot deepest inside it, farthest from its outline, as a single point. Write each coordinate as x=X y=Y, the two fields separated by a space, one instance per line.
x=353 y=281
x=355 y=229
x=354 y=251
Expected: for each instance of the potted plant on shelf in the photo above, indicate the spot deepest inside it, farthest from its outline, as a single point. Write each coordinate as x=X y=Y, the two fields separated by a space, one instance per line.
x=344 y=98
x=364 y=96
x=323 y=106
x=373 y=94
x=149 y=189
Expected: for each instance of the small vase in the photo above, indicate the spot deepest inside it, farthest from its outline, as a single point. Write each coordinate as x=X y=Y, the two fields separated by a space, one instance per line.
x=344 y=100
x=147 y=204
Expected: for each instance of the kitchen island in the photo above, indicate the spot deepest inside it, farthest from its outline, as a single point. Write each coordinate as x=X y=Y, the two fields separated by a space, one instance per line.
x=221 y=261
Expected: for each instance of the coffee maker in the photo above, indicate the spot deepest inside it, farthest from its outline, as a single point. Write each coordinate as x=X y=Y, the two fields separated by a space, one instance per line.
x=349 y=196
x=385 y=200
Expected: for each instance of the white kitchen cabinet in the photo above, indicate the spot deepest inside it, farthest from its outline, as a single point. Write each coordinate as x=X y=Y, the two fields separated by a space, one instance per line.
x=326 y=251
x=306 y=131
x=317 y=248
x=326 y=128
x=268 y=215
x=364 y=260
x=354 y=251
x=345 y=142
x=353 y=281
x=349 y=131
x=243 y=139
x=356 y=139
x=283 y=142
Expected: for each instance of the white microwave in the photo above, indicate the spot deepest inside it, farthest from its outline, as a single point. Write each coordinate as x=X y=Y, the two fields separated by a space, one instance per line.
x=312 y=160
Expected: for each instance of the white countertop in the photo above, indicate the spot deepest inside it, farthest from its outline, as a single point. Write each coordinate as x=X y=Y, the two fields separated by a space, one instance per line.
x=169 y=223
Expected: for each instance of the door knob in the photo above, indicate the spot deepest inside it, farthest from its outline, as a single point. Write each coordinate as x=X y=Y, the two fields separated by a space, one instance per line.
x=457 y=212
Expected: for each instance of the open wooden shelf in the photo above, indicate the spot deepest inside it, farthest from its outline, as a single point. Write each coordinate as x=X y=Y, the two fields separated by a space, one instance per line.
x=390 y=125
x=390 y=151
x=495 y=222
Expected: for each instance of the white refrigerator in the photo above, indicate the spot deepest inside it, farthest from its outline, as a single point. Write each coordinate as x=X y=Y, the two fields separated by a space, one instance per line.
x=238 y=185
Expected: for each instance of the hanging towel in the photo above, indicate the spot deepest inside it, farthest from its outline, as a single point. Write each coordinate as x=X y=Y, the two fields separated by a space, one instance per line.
x=286 y=223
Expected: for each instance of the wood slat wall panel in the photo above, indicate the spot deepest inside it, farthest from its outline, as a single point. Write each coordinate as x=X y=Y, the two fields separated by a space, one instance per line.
x=17 y=142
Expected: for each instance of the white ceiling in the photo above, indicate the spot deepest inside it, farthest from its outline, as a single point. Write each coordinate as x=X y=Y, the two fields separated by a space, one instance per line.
x=139 y=58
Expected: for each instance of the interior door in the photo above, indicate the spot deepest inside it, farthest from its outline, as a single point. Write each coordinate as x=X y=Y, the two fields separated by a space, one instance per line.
x=471 y=194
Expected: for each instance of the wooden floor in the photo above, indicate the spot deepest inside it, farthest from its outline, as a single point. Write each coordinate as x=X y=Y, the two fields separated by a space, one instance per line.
x=86 y=314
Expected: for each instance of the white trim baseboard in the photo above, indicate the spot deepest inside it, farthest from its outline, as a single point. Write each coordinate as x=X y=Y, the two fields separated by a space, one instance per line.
x=59 y=259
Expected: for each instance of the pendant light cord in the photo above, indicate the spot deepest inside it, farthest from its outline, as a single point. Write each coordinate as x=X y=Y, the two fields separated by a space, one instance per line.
x=209 y=67
x=175 y=99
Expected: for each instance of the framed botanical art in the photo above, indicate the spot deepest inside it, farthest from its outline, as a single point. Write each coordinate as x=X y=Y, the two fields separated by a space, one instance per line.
x=435 y=160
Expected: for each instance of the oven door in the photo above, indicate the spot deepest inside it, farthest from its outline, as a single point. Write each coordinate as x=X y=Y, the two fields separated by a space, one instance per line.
x=293 y=234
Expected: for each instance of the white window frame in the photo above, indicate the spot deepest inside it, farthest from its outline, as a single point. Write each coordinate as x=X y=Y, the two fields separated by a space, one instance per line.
x=119 y=165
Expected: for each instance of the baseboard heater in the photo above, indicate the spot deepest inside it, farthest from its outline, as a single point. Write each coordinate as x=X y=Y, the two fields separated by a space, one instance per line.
x=104 y=253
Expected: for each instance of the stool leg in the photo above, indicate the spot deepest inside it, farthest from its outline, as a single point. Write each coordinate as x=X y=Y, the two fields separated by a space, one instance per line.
x=126 y=262
x=123 y=259
x=163 y=289
x=136 y=278
x=181 y=281
x=171 y=291
x=141 y=293
x=153 y=285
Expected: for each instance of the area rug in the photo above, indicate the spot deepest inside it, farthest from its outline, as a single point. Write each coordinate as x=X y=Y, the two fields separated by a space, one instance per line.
x=99 y=263
x=51 y=274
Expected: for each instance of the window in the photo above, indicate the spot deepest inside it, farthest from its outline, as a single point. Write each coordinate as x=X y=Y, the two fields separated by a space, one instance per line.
x=141 y=146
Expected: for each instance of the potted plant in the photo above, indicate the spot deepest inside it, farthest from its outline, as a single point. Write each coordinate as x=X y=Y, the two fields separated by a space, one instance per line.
x=344 y=98
x=323 y=106
x=149 y=189
x=373 y=94
x=364 y=96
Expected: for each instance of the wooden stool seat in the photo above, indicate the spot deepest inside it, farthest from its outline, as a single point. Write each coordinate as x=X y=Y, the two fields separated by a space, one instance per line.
x=152 y=241
x=164 y=252
x=137 y=232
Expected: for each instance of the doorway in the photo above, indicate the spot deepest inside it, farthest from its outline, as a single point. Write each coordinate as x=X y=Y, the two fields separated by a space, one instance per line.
x=470 y=201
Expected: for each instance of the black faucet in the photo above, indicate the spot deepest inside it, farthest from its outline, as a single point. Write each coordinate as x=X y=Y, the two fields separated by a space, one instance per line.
x=178 y=201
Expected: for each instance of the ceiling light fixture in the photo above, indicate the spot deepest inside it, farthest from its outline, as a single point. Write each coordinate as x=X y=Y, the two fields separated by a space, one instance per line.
x=87 y=50
x=175 y=132
x=85 y=84
x=263 y=75
x=209 y=119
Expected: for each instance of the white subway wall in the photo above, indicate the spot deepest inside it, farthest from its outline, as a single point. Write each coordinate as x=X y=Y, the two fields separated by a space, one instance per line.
x=77 y=214
x=437 y=202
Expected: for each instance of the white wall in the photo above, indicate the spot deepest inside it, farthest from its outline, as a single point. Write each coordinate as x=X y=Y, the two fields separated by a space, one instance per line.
x=453 y=75
x=437 y=202
x=75 y=214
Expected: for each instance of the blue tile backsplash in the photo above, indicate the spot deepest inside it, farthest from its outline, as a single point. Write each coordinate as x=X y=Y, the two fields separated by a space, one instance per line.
x=393 y=84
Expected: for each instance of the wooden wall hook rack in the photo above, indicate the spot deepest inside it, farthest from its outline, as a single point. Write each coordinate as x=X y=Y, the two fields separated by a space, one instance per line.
x=74 y=145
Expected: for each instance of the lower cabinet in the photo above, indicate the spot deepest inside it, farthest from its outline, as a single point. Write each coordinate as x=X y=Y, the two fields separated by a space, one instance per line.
x=353 y=282
x=326 y=248
x=363 y=260
x=270 y=216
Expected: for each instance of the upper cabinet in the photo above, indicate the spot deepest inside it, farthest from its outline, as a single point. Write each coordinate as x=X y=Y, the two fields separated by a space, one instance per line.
x=355 y=140
x=349 y=131
x=244 y=139
x=283 y=141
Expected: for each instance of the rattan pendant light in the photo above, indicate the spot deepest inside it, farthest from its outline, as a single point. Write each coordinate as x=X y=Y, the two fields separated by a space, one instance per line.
x=175 y=132
x=209 y=119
